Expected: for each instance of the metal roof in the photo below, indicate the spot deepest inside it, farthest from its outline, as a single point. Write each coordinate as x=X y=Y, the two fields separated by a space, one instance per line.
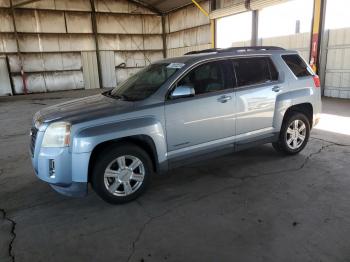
x=157 y=6
x=163 y=6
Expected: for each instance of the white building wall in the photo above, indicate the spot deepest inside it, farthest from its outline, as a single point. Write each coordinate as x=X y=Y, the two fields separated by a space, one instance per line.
x=299 y=42
x=337 y=78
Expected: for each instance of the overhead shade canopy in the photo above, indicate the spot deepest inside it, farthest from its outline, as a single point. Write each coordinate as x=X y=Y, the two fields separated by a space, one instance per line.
x=239 y=6
x=164 y=6
x=158 y=6
x=231 y=7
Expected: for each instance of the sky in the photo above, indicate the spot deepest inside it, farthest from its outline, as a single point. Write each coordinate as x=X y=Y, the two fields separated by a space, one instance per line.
x=280 y=20
x=337 y=15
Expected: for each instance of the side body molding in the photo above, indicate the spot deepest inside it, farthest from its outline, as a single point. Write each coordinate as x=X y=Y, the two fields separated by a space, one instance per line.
x=86 y=139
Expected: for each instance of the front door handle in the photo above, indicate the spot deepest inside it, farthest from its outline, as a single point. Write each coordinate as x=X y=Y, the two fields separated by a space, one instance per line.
x=276 y=89
x=224 y=99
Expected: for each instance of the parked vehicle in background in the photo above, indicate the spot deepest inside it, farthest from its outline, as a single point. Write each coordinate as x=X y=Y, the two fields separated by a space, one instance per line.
x=173 y=112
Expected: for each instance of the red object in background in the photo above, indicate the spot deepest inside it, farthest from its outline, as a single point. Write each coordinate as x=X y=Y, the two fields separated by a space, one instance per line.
x=314 y=51
x=317 y=81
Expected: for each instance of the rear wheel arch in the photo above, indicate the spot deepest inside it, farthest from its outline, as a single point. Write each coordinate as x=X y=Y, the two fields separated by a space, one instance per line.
x=304 y=108
x=143 y=141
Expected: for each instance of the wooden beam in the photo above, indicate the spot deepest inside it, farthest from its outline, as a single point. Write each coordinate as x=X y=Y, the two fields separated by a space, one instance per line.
x=24 y=81
x=94 y=29
x=148 y=6
x=164 y=37
x=25 y=3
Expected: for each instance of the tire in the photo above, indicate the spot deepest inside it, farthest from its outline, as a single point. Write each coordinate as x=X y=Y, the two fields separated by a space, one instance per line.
x=290 y=141
x=119 y=181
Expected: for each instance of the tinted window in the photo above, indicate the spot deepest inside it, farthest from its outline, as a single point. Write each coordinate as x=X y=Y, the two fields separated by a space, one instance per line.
x=145 y=83
x=209 y=77
x=252 y=71
x=273 y=70
x=297 y=65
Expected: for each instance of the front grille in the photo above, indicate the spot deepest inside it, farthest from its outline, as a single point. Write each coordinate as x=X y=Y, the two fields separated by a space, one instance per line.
x=33 y=134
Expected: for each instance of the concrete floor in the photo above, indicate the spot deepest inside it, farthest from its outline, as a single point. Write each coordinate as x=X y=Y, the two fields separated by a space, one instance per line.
x=255 y=205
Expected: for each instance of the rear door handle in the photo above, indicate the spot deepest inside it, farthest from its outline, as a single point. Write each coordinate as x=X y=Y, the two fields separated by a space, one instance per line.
x=224 y=99
x=276 y=89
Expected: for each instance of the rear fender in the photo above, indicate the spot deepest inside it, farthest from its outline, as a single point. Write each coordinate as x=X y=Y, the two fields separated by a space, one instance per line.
x=288 y=99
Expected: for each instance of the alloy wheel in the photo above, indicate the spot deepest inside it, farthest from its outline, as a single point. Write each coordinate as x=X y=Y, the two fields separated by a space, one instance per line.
x=124 y=175
x=296 y=134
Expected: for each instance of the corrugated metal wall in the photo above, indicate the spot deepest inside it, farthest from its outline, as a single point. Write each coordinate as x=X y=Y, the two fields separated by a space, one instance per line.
x=90 y=70
x=187 y=29
x=231 y=7
x=52 y=35
x=299 y=42
x=5 y=84
x=58 y=47
x=337 y=77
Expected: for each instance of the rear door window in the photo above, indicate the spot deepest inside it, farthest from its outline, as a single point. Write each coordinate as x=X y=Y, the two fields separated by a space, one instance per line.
x=297 y=65
x=209 y=77
x=253 y=71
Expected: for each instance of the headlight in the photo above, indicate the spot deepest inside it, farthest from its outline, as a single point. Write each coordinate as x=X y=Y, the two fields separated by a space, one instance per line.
x=38 y=123
x=57 y=135
x=38 y=120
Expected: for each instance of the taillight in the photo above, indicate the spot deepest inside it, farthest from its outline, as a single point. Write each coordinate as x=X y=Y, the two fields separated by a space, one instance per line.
x=317 y=81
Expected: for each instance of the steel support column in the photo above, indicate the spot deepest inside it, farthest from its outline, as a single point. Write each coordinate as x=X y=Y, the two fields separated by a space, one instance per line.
x=255 y=27
x=317 y=32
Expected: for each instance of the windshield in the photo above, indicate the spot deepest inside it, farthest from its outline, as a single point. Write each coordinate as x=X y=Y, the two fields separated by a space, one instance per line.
x=146 y=82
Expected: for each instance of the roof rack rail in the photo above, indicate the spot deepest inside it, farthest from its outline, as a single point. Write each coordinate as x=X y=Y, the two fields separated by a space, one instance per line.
x=210 y=50
x=250 y=48
x=235 y=49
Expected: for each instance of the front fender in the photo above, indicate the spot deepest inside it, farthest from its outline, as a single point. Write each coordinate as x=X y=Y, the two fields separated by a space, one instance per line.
x=88 y=138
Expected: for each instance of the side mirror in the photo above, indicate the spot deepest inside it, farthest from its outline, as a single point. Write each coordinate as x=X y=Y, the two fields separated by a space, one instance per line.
x=182 y=91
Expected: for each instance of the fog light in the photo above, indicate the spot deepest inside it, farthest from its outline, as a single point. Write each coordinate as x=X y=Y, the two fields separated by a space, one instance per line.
x=52 y=170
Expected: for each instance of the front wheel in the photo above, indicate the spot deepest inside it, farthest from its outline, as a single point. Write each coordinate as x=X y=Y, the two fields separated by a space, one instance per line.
x=294 y=134
x=121 y=173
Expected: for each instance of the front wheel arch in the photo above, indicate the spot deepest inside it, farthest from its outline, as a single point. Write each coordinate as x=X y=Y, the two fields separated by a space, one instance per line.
x=143 y=141
x=110 y=178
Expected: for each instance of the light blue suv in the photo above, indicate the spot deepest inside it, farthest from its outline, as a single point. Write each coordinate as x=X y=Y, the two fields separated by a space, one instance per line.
x=173 y=112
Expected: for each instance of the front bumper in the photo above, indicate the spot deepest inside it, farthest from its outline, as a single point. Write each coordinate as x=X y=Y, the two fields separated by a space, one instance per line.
x=56 y=167
x=53 y=165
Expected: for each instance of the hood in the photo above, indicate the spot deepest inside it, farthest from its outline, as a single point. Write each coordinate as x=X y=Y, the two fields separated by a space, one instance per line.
x=84 y=109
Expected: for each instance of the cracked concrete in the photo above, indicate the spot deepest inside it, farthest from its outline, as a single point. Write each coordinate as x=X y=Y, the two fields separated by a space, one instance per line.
x=142 y=229
x=255 y=205
x=12 y=232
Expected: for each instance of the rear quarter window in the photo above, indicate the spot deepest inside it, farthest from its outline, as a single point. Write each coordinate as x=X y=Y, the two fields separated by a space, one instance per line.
x=297 y=65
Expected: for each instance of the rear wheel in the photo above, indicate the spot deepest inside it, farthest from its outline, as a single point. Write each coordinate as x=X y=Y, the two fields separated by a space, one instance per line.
x=294 y=134
x=121 y=173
